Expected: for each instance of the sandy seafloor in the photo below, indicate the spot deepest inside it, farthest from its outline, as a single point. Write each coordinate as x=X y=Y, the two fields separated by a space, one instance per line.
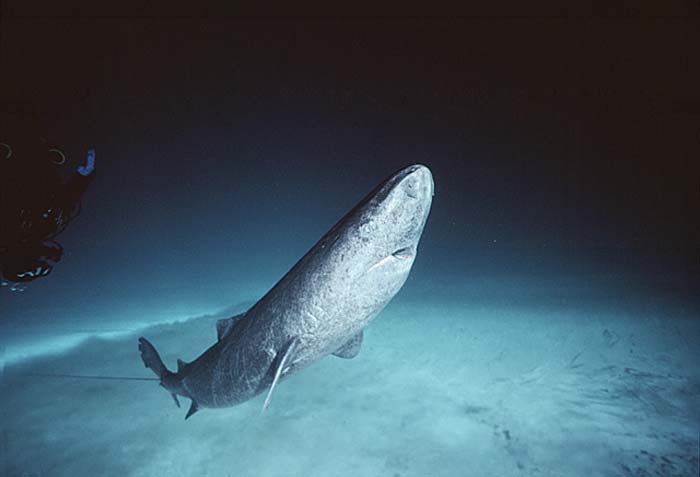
x=547 y=383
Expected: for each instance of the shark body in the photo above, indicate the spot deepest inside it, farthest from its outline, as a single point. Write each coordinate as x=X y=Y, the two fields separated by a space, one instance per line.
x=319 y=307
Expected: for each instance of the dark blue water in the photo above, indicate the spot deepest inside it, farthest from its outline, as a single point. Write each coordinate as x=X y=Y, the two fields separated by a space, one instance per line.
x=550 y=324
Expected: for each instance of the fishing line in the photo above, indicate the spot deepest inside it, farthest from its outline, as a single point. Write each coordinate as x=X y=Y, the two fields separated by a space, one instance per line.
x=83 y=376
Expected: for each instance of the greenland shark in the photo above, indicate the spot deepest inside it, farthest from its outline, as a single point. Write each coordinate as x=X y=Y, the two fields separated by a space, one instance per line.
x=320 y=307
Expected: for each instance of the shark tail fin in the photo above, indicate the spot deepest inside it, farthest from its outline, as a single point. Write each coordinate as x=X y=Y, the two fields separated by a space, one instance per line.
x=151 y=358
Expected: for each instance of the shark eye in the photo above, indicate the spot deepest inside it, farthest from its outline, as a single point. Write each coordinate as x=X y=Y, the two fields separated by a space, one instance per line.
x=403 y=253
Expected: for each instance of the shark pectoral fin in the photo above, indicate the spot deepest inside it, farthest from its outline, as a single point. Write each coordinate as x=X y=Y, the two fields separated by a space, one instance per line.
x=194 y=407
x=225 y=326
x=351 y=348
x=280 y=365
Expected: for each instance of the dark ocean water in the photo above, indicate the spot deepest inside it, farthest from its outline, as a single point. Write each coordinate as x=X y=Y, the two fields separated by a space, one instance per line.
x=550 y=325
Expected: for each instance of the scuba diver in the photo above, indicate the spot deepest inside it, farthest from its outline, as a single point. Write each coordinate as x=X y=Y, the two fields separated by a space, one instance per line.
x=36 y=204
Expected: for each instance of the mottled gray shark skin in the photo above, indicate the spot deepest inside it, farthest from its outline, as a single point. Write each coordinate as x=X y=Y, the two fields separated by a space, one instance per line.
x=319 y=307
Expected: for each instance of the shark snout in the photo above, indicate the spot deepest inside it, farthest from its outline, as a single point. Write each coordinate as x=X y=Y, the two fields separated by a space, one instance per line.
x=418 y=182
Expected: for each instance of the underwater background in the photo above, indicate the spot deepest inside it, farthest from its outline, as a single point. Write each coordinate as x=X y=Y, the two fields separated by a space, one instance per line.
x=549 y=327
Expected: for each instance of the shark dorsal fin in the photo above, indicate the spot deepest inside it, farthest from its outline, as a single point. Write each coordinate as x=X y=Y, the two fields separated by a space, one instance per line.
x=280 y=364
x=225 y=327
x=351 y=347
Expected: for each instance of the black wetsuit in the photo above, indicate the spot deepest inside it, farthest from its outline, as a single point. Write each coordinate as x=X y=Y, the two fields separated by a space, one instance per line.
x=35 y=206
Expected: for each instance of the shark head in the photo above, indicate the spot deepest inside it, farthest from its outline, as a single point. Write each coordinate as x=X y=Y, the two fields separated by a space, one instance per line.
x=356 y=268
x=375 y=245
x=392 y=218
